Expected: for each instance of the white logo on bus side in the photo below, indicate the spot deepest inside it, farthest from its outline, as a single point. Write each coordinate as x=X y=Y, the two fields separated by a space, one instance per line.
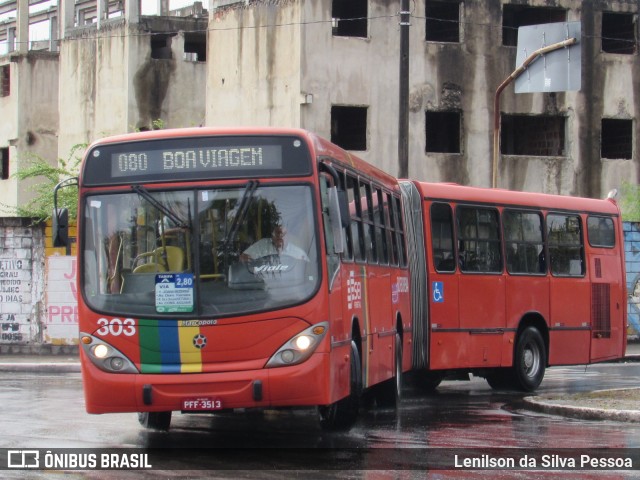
x=116 y=327
x=354 y=292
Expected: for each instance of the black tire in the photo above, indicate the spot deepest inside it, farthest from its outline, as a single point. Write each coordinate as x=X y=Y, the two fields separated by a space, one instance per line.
x=389 y=393
x=155 y=420
x=529 y=360
x=342 y=414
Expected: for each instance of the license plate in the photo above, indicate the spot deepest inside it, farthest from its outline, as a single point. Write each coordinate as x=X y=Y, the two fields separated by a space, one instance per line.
x=201 y=403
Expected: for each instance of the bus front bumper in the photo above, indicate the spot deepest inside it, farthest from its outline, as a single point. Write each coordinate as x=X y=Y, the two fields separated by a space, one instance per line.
x=305 y=384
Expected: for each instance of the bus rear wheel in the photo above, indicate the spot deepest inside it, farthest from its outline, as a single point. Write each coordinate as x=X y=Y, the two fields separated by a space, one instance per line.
x=342 y=414
x=529 y=360
x=155 y=420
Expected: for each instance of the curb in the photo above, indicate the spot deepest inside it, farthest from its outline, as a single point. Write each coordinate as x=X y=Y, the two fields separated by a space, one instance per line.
x=40 y=367
x=583 y=413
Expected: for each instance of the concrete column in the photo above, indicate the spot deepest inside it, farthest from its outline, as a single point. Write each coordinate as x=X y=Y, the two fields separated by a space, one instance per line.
x=163 y=8
x=132 y=11
x=23 y=26
x=103 y=11
x=67 y=15
x=11 y=39
x=53 y=34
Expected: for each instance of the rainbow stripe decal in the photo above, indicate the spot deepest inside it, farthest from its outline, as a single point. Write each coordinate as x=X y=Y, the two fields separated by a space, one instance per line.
x=170 y=346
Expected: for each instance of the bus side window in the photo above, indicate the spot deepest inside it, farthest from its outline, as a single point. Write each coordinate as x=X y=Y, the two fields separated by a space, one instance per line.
x=397 y=210
x=367 y=220
x=380 y=235
x=479 y=233
x=392 y=239
x=564 y=234
x=601 y=232
x=442 y=238
x=355 y=209
x=524 y=243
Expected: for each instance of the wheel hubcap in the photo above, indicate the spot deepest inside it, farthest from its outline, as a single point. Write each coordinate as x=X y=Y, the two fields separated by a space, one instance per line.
x=530 y=360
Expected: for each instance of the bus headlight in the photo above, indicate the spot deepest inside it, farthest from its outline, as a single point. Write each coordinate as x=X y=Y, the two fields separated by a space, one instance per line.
x=299 y=347
x=100 y=350
x=104 y=356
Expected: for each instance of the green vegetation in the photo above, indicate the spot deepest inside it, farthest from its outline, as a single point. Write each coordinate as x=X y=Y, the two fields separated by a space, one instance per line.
x=630 y=202
x=41 y=207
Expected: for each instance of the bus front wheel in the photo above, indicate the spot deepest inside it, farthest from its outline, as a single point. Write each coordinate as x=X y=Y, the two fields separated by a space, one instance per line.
x=529 y=360
x=342 y=414
x=155 y=420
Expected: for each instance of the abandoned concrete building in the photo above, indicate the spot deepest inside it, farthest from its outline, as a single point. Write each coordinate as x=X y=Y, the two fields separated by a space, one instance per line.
x=75 y=70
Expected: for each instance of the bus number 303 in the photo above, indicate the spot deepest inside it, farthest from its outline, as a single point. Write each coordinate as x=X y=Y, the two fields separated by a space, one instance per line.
x=116 y=327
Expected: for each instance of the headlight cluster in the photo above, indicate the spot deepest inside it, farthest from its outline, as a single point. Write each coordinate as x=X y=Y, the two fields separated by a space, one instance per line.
x=104 y=356
x=300 y=347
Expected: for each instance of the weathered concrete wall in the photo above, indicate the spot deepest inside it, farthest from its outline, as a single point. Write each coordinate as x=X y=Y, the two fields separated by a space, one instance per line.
x=21 y=283
x=253 y=75
x=444 y=76
x=349 y=71
x=116 y=86
x=29 y=124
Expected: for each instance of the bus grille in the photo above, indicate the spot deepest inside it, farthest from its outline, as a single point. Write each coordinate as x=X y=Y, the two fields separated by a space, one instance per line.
x=600 y=310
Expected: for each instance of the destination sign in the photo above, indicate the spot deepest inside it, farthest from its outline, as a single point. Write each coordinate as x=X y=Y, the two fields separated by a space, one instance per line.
x=198 y=158
x=254 y=157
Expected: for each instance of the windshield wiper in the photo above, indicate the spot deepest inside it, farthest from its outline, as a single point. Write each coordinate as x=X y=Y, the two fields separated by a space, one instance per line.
x=243 y=207
x=179 y=222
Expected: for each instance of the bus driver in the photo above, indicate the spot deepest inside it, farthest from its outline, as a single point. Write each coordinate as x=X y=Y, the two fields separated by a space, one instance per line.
x=277 y=244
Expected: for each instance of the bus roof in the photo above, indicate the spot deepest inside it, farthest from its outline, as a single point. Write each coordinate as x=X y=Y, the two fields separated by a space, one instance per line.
x=464 y=194
x=199 y=132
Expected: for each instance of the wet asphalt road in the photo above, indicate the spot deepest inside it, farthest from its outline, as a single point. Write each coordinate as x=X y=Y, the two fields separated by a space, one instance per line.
x=46 y=411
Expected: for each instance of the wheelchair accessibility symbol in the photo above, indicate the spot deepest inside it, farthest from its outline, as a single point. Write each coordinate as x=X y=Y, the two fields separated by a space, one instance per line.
x=437 y=292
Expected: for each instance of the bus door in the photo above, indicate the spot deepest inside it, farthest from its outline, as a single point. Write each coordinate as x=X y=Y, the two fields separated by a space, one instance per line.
x=569 y=291
x=442 y=288
x=338 y=289
x=527 y=288
x=481 y=300
x=376 y=289
x=607 y=290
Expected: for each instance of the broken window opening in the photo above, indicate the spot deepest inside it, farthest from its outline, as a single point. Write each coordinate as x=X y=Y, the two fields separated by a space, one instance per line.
x=349 y=127
x=443 y=21
x=616 y=139
x=349 y=18
x=195 y=47
x=619 y=33
x=514 y=16
x=533 y=135
x=161 y=46
x=5 y=81
x=4 y=163
x=443 y=132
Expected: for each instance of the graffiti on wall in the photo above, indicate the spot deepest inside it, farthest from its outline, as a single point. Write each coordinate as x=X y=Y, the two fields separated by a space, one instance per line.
x=15 y=292
x=61 y=321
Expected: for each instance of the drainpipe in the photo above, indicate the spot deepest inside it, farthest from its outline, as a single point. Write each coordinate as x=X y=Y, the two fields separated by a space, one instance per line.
x=496 y=101
x=403 y=107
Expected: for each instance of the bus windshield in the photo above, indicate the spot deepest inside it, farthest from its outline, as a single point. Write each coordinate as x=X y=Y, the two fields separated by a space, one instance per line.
x=193 y=253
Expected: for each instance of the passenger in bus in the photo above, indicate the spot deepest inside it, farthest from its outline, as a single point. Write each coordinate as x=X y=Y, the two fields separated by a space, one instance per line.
x=277 y=244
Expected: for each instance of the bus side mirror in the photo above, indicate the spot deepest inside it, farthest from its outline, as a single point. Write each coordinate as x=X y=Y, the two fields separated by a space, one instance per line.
x=336 y=219
x=60 y=227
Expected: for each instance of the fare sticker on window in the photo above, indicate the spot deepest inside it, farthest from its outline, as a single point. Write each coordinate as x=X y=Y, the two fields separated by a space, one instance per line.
x=174 y=292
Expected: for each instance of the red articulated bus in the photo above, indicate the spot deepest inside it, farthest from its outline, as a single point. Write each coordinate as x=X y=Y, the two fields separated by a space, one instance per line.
x=267 y=268
x=507 y=283
x=215 y=274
